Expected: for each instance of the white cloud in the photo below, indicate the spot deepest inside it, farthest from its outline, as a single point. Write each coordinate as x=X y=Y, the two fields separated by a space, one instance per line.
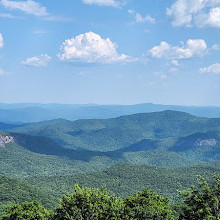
x=113 y=3
x=29 y=7
x=41 y=32
x=38 y=61
x=160 y=75
x=57 y=18
x=147 y=31
x=2 y=72
x=173 y=69
x=141 y=19
x=193 y=47
x=214 y=68
x=6 y=15
x=90 y=48
x=199 y=13
x=130 y=11
x=215 y=47
x=175 y=62
x=1 y=41
x=81 y=73
x=163 y=76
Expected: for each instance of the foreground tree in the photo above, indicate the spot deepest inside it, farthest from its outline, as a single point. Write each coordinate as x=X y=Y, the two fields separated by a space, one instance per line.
x=147 y=205
x=27 y=210
x=96 y=204
x=202 y=202
x=91 y=204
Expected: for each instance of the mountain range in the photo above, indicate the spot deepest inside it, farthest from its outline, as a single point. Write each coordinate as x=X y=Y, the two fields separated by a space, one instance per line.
x=26 y=113
x=163 y=151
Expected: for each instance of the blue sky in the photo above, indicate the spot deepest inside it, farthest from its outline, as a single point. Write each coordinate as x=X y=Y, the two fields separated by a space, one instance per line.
x=110 y=51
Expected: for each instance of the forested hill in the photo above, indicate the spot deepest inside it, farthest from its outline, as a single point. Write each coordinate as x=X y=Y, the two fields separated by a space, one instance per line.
x=14 y=190
x=57 y=147
x=163 y=151
x=39 y=112
x=123 y=180
x=117 y=133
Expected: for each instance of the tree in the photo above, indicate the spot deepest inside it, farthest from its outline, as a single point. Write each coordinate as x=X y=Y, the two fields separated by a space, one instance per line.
x=27 y=210
x=147 y=205
x=202 y=202
x=90 y=204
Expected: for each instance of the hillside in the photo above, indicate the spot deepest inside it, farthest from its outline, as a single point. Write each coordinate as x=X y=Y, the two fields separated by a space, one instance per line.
x=163 y=151
x=113 y=134
x=125 y=179
x=19 y=161
x=14 y=191
x=61 y=147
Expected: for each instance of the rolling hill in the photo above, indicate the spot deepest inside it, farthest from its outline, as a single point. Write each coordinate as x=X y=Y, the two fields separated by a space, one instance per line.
x=163 y=151
x=125 y=179
x=60 y=147
x=113 y=134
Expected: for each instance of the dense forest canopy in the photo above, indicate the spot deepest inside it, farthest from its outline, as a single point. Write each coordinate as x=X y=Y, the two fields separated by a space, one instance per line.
x=201 y=202
x=134 y=156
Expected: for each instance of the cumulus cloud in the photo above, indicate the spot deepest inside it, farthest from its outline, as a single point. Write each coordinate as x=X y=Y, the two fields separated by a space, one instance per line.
x=113 y=3
x=141 y=19
x=1 y=41
x=214 y=68
x=199 y=13
x=29 y=7
x=38 y=61
x=192 y=48
x=90 y=48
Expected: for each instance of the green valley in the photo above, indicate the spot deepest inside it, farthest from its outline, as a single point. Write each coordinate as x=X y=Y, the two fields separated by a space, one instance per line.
x=161 y=151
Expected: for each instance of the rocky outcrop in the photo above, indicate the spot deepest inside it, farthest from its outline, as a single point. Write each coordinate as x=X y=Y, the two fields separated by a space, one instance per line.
x=5 y=140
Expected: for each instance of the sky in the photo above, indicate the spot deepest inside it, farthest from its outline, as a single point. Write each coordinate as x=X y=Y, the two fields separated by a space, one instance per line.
x=110 y=51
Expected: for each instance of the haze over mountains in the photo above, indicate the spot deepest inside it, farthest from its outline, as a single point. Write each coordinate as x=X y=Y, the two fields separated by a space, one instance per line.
x=39 y=112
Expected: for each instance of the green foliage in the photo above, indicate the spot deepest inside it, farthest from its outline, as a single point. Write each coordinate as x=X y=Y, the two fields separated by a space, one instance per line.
x=117 y=133
x=61 y=147
x=16 y=191
x=178 y=208
x=123 y=180
x=91 y=204
x=54 y=155
x=26 y=210
x=202 y=202
x=126 y=179
x=22 y=161
x=147 y=205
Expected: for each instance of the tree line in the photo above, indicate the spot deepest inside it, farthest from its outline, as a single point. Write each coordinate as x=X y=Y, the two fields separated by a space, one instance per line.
x=201 y=202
